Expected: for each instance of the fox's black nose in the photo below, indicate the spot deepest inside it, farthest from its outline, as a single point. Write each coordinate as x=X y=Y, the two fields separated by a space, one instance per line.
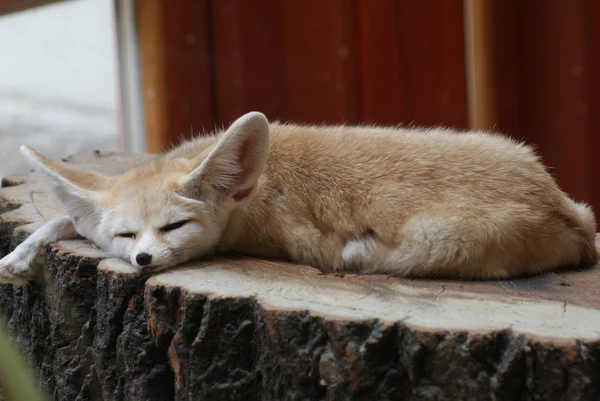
x=143 y=259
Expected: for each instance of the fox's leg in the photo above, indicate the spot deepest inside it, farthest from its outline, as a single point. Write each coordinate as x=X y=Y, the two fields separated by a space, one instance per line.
x=428 y=246
x=447 y=246
x=16 y=267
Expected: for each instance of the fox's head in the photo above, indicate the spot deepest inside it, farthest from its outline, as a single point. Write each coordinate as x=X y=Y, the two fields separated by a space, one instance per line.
x=168 y=211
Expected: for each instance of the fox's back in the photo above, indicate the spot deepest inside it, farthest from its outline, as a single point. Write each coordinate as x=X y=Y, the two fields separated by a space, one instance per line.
x=423 y=166
x=339 y=157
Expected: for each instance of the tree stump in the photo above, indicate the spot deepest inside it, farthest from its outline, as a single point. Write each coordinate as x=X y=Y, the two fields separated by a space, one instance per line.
x=237 y=328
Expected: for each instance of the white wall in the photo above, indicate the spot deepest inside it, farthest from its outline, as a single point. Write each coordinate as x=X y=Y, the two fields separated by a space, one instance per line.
x=58 y=80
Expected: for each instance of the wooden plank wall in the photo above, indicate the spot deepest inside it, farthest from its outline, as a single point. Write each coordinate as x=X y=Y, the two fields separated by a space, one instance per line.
x=412 y=62
x=176 y=69
x=205 y=62
x=548 y=87
x=312 y=61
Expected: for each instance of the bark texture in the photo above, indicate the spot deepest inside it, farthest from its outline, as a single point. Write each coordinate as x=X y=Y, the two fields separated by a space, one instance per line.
x=246 y=329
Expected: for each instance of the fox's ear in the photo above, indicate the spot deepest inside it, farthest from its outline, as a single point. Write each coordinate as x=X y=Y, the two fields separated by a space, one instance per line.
x=72 y=187
x=235 y=164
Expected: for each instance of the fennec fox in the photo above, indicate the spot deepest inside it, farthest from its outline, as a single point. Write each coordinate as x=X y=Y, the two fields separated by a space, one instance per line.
x=408 y=202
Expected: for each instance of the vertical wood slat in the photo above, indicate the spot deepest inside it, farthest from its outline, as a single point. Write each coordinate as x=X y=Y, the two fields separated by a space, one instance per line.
x=188 y=57
x=175 y=69
x=287 y=60
x=413 y=62
x=591 y=24
x=384 y=97
x=480 y=63
x=341 y=64
x=320 y=61
x=152 y=62
x=432 y=42
x=505 y=33
x=248 y=48
x=543 y=62
x=294 y=63
x=553 y=88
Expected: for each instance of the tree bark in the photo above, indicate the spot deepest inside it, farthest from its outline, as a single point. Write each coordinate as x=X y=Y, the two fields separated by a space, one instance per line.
x=237 y=328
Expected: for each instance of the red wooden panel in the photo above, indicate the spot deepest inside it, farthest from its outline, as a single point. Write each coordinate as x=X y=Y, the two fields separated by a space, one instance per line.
x=506 y=33
x=430 y=39
x=413 y=62
x=384 y=97
x=552 y=87
x=291 y=60
x=591 y=72
x=248 y=51
x=187 y=71
x=543 y=74
x=319 y=61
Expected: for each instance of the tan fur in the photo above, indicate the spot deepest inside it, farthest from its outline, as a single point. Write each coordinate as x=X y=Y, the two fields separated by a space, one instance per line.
x=439 y=204
x=408 y=202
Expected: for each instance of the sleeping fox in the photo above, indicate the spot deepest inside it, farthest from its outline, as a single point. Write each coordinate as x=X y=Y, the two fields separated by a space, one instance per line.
x=406 y=202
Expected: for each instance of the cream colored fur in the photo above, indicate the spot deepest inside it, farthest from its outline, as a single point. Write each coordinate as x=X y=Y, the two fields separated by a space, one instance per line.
x=408 y=202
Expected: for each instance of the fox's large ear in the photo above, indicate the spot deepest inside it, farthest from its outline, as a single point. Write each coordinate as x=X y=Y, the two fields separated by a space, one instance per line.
x=72 y=187
x=235 y=164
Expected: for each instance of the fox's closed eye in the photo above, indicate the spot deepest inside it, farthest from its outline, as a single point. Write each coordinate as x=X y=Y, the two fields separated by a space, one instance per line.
x=173 y=226
x=126 y=235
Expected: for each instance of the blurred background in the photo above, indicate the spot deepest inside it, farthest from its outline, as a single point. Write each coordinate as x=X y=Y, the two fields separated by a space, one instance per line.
x=58 y=79
x=140 y=75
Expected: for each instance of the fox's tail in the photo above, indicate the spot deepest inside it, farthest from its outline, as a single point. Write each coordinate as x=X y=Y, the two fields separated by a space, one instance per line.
x=586 y=225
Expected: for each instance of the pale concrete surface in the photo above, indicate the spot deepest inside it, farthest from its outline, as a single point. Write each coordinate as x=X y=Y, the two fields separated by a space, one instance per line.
x=58 y=81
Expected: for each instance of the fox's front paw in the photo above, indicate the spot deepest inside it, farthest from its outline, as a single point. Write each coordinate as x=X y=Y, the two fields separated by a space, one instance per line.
x=16 y=268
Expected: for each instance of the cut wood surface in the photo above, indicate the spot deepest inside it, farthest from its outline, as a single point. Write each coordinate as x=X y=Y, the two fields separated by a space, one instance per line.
x=237 y=328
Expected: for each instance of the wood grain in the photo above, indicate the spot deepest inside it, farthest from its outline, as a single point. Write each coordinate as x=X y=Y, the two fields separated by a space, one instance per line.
x=152 y=60
x=175 y=60
x=319 y=61
x=412 y=62
x=431 y=39
x=341 y=61
x=248 y=49
x=546 y=80
x=480 y=60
